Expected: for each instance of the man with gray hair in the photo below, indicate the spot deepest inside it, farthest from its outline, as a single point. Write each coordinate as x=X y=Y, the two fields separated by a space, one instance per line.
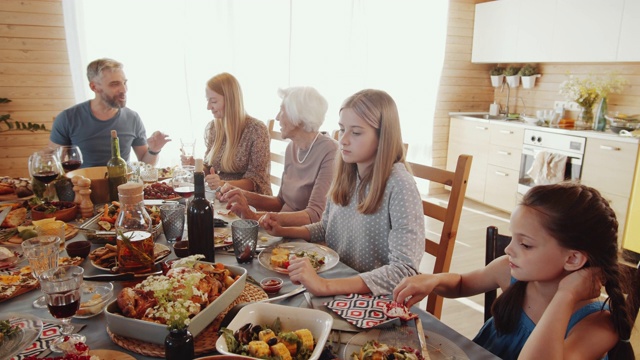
x=88 y=125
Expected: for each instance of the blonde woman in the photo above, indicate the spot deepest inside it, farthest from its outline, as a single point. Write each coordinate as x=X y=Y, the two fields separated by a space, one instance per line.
x=373 y=218
x=237 y=144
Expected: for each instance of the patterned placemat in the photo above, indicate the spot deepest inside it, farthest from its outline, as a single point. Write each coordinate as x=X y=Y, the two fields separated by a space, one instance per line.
x=363 y=311
x=50 y=332
x=205 y=342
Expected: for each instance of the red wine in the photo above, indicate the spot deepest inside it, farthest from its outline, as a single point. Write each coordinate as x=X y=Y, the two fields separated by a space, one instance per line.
x=200 y=218
x=63 y=305
x=71 y=165
x=184 y=191
x=45 y=177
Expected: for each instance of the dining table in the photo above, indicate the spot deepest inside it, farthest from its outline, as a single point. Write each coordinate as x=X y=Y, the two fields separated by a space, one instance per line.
x=95 y=328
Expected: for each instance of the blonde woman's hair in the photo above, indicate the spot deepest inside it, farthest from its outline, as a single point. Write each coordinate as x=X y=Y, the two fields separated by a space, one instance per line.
x=379 y=110
x=233 y=121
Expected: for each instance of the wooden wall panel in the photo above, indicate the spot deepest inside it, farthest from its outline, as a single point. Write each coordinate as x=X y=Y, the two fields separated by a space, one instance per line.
x=34 y=74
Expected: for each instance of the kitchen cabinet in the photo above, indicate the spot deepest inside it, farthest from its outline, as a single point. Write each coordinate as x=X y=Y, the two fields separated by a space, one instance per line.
x=470 y=137
x=631 y=237
x=505 y=153
x=609 y=166
x=629 y=44
x=556 y=31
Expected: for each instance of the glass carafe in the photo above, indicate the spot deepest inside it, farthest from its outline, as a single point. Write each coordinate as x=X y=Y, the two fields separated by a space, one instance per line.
x=133 y=228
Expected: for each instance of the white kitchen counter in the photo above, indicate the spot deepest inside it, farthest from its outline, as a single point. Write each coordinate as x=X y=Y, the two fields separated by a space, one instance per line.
x=605 y=135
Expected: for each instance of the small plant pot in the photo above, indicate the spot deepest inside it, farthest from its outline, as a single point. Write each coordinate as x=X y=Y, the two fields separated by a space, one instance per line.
x=528 y=82
x=513 y=81
x=496 y=80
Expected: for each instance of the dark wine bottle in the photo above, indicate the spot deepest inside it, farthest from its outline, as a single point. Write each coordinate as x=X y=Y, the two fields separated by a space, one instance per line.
x=116 y=168
x=200 y=218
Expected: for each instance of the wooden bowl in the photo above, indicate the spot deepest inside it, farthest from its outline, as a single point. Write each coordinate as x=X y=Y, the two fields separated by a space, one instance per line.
x=66 y=215
x=99 y=182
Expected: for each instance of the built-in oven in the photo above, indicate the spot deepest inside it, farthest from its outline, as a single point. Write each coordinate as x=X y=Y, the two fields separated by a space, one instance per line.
x=536 y=142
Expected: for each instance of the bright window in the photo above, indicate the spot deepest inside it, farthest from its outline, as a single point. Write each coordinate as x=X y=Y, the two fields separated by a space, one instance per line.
x=170 y=48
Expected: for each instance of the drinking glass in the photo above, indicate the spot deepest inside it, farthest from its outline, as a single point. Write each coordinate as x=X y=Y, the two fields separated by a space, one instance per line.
x=42 y=253
x=182 y=183
x=172 y=216
x=70 y=157
x=187 y=149
x=61 y=286
x=45 y=167
x=244 y=234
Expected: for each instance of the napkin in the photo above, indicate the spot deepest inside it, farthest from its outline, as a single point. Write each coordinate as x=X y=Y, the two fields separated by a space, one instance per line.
x=363 y=311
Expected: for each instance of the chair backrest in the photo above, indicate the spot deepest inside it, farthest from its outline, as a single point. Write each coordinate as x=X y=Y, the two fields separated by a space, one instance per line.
x=495 y=245
x=448 y=214
x=277 y=147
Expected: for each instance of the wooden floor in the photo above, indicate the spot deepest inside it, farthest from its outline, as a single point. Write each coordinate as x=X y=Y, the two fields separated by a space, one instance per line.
x=465 y=315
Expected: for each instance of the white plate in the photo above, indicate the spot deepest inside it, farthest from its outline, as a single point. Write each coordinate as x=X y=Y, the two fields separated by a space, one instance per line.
x=157 y=248
x=331 y=258
x=31 y=329
x=291 y=318
x=439 y=347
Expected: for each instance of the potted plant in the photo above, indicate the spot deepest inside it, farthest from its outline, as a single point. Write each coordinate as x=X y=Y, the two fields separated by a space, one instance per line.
x=511 y=73
x=497 y=76
x=528 y=74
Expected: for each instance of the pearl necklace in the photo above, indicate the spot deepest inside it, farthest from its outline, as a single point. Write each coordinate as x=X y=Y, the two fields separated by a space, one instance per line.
x=308 y=151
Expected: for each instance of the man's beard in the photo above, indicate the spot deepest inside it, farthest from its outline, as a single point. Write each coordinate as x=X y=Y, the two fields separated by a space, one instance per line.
x=114 y=102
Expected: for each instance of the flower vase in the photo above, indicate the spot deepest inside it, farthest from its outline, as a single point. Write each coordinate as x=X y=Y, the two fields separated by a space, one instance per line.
x=600 y=122
x=179 y=345
x=585 y=118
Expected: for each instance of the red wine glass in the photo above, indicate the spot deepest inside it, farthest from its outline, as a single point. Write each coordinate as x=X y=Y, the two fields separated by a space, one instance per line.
x=61 y=287
x=45 y=167
x=70 y=157
x=182 y=183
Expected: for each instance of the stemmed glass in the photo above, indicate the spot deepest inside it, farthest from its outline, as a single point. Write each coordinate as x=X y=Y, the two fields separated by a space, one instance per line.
x=61 y=286
x=45 y=167
x=182 y=183
x=42 y=253
x=70 y=157
x=187 y=149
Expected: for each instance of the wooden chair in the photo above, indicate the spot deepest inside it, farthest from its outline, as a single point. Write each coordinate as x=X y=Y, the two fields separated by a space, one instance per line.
x=448 y=214
x=495 y=245
x=277 y=147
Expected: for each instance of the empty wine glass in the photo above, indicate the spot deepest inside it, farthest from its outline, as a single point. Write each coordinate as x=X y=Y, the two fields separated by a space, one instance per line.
x=187 y=149
x=42 y=253
x=45 y=167
x=70 y=157
x=61 y=286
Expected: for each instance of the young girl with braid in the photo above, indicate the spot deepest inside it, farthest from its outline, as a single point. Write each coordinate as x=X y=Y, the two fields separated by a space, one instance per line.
x=563 y=250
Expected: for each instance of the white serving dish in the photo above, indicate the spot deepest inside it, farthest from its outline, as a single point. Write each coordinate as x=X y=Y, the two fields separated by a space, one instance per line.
x=291 y=318
x=155 y=333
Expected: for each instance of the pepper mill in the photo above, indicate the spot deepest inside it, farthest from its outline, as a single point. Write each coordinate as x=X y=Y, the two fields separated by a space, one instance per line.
x=76 y=189
x=86 y=206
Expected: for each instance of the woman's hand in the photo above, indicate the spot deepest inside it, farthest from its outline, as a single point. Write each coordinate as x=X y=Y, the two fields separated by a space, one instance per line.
x=583 y=284
x=236 y=202
x=213 y=179
x=302 y=272
x=187 y=160
x=269 y=222
x=413 y=289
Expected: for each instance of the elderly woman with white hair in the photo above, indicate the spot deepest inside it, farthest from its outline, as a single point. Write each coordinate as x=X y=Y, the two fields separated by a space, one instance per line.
x=308 y=165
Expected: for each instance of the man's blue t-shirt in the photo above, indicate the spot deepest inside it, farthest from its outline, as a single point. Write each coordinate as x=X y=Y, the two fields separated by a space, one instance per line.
x=77 y=126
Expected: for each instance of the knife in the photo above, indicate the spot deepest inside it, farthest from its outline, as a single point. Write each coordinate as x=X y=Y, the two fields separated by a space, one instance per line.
x=422 y=338
x=297 y=291
x=4 y=213
x=120 y=277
